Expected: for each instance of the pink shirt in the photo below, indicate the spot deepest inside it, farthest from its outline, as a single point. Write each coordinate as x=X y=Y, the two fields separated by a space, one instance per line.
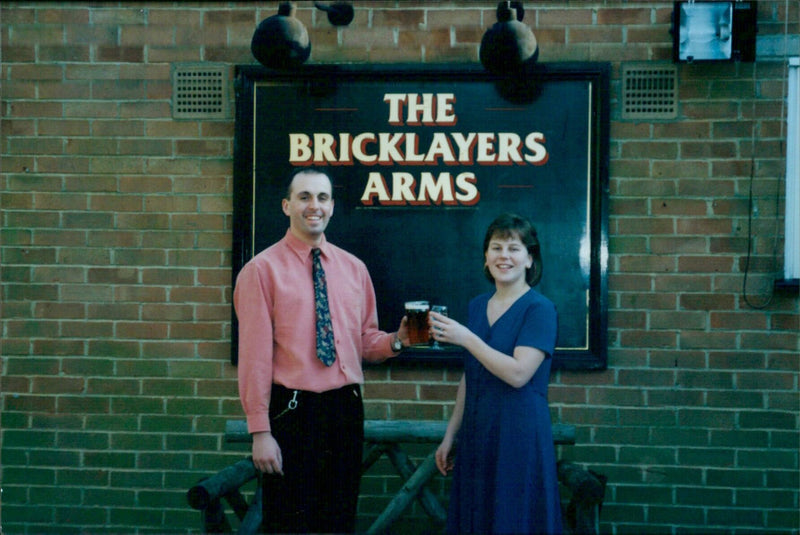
x=274 y=301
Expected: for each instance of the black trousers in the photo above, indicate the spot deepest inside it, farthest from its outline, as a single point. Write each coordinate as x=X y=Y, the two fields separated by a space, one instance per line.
x=321 y=442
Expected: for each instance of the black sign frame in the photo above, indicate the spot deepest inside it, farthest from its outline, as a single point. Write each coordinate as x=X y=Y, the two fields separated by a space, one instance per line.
x=573 y=98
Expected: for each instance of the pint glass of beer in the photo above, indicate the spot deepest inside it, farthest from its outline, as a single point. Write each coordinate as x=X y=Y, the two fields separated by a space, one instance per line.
x=417 y=314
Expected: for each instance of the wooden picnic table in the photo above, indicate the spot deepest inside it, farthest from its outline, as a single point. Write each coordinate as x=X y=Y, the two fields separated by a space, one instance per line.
x=381 y=437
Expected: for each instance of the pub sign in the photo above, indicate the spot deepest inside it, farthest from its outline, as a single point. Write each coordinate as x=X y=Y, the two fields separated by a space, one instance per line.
x=423 y=158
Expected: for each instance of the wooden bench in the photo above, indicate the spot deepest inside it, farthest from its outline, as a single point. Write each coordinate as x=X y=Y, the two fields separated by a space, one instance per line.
x=386 y=437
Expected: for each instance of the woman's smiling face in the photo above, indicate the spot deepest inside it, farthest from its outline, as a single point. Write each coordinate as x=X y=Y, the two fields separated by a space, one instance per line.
x=507 y=259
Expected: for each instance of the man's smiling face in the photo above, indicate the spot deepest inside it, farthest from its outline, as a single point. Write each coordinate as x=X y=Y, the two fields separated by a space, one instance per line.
x=309 y=206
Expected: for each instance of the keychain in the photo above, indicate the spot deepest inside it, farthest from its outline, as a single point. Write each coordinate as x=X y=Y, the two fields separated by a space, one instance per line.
x=292 y=406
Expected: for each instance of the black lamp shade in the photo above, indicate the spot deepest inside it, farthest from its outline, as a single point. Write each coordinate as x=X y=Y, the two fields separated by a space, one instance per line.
x=281 y=41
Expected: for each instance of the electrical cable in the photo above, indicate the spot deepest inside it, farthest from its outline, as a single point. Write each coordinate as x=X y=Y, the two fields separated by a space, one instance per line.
x=781 y=177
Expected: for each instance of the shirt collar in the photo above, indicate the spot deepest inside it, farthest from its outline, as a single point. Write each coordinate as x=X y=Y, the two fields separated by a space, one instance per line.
x=301 y=248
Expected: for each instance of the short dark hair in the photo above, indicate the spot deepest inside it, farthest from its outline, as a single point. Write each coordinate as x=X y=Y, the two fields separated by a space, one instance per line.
x=510 y=225
x=306 y=171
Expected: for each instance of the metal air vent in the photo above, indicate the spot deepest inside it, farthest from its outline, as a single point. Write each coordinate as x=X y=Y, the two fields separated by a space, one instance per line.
x=199 y=92
x=649 y=91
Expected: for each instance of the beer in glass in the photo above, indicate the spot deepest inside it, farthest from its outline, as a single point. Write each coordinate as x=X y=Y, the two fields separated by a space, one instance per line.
x=417 y=314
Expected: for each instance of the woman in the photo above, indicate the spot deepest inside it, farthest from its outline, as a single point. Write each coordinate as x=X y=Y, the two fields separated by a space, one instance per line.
x=504 y=478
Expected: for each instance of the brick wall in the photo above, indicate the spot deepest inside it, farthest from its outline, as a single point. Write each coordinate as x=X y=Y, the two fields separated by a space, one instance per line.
x=116 y=244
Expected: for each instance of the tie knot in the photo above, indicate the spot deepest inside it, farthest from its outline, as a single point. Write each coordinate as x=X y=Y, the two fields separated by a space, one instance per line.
x=315 y=252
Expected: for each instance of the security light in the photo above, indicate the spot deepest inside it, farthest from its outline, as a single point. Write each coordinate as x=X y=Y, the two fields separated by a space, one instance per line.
x=714 y=31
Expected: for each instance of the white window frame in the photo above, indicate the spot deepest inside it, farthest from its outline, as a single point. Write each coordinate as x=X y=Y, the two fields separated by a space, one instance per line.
x=791 y=269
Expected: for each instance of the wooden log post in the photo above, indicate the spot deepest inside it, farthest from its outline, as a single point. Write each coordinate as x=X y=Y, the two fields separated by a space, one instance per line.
x=251 y=523
x=402 y=463
x=587 y=489
x=371 y=455
x=406 y=495
x=398 y=431
x=237 y=502
x=214 y=519
x=224 y=482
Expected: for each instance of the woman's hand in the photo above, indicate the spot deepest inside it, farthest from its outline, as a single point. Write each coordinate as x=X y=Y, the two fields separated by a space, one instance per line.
x=444 y=458
x=447 y=330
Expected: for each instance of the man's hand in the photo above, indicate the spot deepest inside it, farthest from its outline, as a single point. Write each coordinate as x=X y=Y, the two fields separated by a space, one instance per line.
x=402 y=332
x=267 y=454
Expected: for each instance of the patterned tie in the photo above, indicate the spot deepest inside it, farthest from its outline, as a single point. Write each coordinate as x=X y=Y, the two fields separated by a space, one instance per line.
x=325 y=348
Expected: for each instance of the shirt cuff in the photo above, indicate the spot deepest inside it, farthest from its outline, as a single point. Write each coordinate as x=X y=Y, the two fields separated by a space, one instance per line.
x=258 y=423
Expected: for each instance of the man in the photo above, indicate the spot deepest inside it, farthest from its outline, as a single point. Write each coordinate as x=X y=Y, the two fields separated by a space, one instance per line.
x=305 y=415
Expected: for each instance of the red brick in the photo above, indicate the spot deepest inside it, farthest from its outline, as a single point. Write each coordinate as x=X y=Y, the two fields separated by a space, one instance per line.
x=657 y=339
x=647 y=263
x=677 y=320
x=400 y=18
x=605 y=35
x=678 y=245
x=564 y=17
x=121 y=54
x=645 y=301
x=705 y=264
x=140 y=331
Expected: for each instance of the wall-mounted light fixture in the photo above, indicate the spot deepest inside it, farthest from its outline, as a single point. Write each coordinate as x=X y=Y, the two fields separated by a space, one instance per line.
x=339 y=13
x=714 y=31
x=281 y=41
x=509 y=45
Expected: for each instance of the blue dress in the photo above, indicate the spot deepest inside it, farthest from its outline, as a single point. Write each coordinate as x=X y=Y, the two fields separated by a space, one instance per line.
x=504 y=479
